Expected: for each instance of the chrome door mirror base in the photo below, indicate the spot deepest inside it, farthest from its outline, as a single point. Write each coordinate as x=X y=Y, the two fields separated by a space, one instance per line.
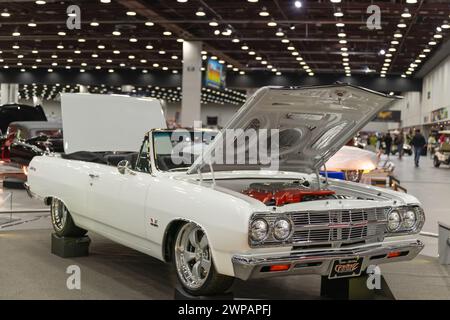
x=124 y=166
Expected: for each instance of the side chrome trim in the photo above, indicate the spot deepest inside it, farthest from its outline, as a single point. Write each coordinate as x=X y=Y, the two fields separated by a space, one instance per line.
x=27 y=188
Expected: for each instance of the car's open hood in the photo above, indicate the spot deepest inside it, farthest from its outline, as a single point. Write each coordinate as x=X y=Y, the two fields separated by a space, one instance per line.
x=313 y=123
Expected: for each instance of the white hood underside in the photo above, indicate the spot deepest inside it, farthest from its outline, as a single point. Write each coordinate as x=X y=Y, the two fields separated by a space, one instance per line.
x=313 y=123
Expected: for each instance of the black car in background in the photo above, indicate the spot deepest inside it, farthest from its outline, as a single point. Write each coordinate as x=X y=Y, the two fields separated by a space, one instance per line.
x=19 y=112
x=16 y=112
x=33 y=138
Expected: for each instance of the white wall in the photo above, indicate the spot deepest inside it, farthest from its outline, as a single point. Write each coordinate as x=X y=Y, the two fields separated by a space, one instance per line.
x=411 y=109
x=436 y=89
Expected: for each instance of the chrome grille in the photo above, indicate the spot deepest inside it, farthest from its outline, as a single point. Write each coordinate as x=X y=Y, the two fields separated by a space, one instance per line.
x=355 y=225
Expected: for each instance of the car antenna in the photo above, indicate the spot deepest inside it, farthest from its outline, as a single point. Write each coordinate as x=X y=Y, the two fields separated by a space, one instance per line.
x=199 y=172
x=326 y=174
x=212 y=173
x=318 y=178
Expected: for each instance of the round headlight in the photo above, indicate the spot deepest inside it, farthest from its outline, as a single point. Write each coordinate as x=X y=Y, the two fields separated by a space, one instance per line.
x=409 y=219
x=282 y=229
x=393 y=221
x=259 y=230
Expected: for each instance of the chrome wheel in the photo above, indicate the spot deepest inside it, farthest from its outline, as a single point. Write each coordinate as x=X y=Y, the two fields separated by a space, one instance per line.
x=353 y=175
x=192 y=256
x=59 y=214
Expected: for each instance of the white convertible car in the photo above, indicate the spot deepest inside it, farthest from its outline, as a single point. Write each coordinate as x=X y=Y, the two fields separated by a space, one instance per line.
x=218 y=222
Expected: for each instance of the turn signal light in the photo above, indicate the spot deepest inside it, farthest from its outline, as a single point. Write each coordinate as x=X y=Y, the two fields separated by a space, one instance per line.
x=394 y=254
x=279 y=267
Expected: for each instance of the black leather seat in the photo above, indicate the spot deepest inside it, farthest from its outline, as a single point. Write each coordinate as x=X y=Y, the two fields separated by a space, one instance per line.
x=114 y=159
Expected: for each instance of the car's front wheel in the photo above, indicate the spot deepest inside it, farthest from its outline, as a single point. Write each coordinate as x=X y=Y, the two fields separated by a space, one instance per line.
x=62 y=220
x=194 y=263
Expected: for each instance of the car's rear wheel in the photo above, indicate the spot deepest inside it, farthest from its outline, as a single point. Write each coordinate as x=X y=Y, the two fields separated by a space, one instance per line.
x=436 y=162
x=62 y=220
x=194 y=263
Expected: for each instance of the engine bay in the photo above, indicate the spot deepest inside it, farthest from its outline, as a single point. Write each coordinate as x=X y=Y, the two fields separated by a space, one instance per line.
x=281 y=193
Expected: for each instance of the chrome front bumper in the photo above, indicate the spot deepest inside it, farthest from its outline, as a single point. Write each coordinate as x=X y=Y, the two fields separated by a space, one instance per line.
x=315 y=261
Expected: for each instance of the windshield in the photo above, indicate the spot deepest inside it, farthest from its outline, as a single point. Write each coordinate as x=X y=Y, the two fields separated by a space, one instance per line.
x=178 y=149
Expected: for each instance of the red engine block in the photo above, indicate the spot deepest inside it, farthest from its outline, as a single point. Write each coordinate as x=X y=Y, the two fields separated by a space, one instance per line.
x=285 y=196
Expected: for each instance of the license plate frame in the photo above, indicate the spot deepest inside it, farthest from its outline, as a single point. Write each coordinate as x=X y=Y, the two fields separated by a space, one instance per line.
x=346 y=268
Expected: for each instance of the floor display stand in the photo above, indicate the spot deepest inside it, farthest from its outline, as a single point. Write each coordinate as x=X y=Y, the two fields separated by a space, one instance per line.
x=444 y=243
x=14 y=183
x=68 y=247
x=354 y=289
x=180 y=294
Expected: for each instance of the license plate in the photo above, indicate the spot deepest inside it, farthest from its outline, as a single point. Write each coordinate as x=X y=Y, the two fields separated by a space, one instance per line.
x=346 y=268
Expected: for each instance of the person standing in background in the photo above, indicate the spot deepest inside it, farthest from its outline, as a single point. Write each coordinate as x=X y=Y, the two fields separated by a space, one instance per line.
x=399 y=141
x=388 y=143
x=431 y=144
x=418 y=142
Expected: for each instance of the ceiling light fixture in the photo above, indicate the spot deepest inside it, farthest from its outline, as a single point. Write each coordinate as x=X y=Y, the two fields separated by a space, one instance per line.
x=338 y=13
x=200 y=12
x=406 y=13
x=264 y=12
x=279 y=33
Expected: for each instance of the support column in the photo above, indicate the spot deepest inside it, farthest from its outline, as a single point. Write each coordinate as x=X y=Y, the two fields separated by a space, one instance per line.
x=83 y=89
x=191 y=83
x=9 y=93
x=13 y=93
x=4 y=93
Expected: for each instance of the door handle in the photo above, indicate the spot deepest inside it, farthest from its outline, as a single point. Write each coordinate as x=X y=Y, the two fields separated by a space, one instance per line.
x=93 y=176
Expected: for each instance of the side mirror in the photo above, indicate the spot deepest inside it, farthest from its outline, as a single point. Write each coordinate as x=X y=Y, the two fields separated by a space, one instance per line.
x=123 y=166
